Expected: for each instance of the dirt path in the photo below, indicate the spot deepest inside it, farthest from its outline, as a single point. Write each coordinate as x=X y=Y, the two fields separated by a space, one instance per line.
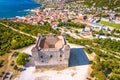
x=18 y=31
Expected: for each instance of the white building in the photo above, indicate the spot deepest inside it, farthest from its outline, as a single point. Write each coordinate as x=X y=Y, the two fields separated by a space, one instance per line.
x=96 y=26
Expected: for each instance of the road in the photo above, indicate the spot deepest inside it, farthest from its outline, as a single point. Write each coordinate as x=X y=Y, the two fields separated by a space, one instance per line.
x=70 y=33
x=18 y=31
x=73 y=35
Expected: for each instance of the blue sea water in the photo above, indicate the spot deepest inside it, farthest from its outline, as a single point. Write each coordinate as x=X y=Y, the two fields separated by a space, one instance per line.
x=12 y=8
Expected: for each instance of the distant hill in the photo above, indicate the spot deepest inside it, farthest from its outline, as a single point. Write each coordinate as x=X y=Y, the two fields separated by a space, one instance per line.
x=43 y=1
x=52 y=3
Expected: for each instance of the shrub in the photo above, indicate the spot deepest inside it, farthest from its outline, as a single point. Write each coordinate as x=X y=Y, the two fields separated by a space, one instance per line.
x=22 y=59
x=1 y=63
x=15 y=67
x=12 y=63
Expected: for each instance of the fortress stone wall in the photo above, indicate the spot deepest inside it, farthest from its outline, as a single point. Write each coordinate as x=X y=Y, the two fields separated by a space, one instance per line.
x=51 y=51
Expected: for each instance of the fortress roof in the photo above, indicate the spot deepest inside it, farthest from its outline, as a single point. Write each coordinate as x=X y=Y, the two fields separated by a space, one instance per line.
x=50 y=41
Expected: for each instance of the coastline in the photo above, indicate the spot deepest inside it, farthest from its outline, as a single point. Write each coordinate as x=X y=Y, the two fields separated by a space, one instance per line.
x=20 y=12
x=28 y=12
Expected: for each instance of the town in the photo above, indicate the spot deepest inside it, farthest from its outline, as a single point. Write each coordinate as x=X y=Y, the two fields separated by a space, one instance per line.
x=53 y=16
x=62 y=40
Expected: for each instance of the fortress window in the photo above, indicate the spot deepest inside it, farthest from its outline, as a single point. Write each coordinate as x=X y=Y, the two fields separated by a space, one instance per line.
x=51 y=56
x=42 y=61
x=41 y=56
x=60 y=55
x=51 y=46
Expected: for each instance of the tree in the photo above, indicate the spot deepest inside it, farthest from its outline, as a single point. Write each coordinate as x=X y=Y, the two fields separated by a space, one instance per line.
x=97 y=58
x=59 y=20
x=12 y=63
x=22 y=59
x=76 y=31
x=101 y=76
x=15 y=67
x=1 y=63
x=14 y=44
x=88 y=50
x=110 y=4
x=114 y=77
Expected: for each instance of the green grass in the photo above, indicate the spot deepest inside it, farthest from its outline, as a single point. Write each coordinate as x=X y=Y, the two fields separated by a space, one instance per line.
x=117 y=26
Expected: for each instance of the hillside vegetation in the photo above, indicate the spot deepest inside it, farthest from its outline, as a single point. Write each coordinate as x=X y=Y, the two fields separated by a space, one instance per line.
x=71 y=24
x=31 y=29
x=12 y=40
x=109 y=4
x=117 y=26
x=106 y=64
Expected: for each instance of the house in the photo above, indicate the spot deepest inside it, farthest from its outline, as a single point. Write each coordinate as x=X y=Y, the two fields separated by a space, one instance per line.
x=51 y=51
x=54 y=25
x=96 y=26
x=88 y=28
x=112 y=16
x=41 y=22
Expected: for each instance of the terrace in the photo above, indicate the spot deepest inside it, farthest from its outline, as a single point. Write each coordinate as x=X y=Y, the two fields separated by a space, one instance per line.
x=51 y=41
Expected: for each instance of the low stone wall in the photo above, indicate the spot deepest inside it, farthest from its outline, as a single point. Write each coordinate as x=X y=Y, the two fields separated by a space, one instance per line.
x=51 y=66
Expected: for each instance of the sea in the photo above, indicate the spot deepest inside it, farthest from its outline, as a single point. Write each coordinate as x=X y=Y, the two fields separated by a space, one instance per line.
x=13 y=8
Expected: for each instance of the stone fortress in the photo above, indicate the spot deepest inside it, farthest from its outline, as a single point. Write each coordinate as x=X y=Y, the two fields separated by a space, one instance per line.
x=51 y=51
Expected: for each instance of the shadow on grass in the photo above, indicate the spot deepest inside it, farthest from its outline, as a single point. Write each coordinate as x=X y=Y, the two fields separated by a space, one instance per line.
x=78 y=57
